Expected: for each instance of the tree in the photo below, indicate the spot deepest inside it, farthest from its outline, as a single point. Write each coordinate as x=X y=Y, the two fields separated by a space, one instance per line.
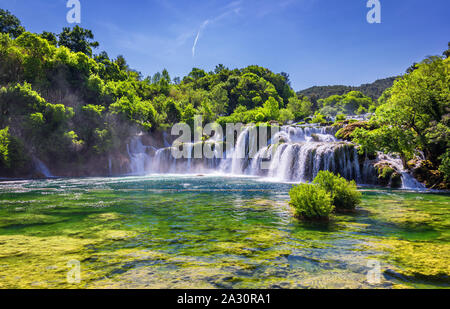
x=411 y=68
x=447 y=52
x=156 y=78
x=219 y=68
x=353 y=102
x=10 y=24
x=415 y=115
x=272 y=109
x=121 y=63
x=197 y=73
x=78 y=39
x=166 y=76
x=286 y=78
x=219 y=97
x=300 y=108
x=286 y=116
x=50 y=37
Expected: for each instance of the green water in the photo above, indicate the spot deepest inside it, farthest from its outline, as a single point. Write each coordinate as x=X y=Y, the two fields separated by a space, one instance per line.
x=214 y=232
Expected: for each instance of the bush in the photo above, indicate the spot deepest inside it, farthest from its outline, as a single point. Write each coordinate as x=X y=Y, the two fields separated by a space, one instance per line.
x=311 y=202
x=12 y=153
x=286 y=116
x=318 y=118
x=345 y=194
x=341 y=117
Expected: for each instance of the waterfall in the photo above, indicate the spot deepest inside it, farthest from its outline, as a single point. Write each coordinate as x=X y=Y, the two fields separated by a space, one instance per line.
x=110 y=166
x=408 y=181
x=293 y=154
x=140 y=158
x=42 y=168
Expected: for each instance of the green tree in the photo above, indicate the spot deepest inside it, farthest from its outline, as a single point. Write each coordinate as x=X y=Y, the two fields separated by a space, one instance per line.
x=219 y=97
x=10 y=24
x=50 y=37
x=286 y=116
x=415 y=115
x=78 y=39
x=447 y=52
x=272 y=109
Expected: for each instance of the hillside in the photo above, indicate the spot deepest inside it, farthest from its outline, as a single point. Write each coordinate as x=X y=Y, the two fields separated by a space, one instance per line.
x=373 y=90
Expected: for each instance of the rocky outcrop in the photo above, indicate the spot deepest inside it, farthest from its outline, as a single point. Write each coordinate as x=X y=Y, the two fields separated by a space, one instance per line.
x=388 y=175
x=425 y=172
x=346 y=132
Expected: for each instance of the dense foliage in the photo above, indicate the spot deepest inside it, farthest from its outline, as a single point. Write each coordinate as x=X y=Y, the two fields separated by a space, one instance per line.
x=345 y=194
x=10 y=24
x=311 y=202
x=68 y=105
x=414 y=117
x=351 y=103
x=373 y=90
x=61 y=103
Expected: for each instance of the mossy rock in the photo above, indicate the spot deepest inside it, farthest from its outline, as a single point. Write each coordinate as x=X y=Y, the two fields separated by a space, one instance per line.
x=425 y=172
x=388 y=176
x=346 y=132
x=315 y=137
x=385 y=172
x=396 y=180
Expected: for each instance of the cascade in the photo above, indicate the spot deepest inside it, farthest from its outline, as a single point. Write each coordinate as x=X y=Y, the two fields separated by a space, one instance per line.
x=408 y=181
x=139 y=156
x=294 y=154
x=42 y=168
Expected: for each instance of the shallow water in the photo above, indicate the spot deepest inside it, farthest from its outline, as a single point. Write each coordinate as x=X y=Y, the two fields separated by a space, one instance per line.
x=214 y=232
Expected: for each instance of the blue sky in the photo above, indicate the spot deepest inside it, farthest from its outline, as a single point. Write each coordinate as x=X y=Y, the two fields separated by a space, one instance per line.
x=318 y=42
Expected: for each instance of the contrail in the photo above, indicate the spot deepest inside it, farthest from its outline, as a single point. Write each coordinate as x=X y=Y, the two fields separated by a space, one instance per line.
x=206 y=22
x=230 y=9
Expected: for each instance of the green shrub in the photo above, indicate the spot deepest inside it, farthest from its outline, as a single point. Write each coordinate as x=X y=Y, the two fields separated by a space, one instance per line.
x=341 y=117
x=4 y=146
x=12 y=153
x=311 y=202
x=445 y=165
x=345 y=194
x=318 y=118
x=286 y=116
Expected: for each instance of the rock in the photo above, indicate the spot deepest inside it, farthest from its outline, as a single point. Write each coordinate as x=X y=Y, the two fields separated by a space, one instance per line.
x=396 y=180
x=388 y=175
x=425 y=172
x=346 y=131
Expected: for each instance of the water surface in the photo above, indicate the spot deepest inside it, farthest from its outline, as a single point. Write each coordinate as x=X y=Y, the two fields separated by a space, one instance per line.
x=214 y=232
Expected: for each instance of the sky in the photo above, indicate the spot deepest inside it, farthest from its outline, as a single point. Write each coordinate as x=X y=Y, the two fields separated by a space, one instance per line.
x=317 y=42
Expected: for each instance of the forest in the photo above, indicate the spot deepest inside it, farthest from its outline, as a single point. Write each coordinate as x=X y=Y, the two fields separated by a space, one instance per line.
x=63 y=103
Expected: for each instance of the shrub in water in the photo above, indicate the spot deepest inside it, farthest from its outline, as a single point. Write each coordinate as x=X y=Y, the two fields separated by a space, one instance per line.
x=311 y=202
x=345 y=194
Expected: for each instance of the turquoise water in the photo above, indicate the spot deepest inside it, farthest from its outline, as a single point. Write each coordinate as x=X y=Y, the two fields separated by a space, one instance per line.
x=214 y=232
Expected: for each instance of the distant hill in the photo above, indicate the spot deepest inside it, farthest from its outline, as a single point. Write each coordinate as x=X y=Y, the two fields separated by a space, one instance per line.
x=373 y=90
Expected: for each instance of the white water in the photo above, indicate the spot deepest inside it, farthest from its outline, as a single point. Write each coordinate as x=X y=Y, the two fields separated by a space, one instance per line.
x=295 y=154
x=140 y=158
x=408 y=181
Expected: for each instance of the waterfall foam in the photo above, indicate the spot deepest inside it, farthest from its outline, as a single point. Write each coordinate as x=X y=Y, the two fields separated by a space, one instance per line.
x=408 y=181
x=294 y=154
